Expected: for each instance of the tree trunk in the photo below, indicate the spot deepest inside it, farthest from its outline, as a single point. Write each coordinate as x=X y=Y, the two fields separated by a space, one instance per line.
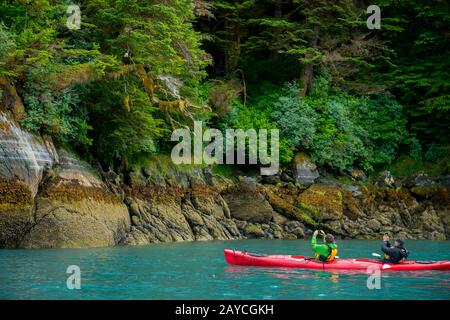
x=307 y=75
x=278 y=13
x=233 y=53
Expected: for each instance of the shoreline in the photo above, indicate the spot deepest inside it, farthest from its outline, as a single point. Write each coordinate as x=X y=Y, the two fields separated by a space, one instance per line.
x=71 y=203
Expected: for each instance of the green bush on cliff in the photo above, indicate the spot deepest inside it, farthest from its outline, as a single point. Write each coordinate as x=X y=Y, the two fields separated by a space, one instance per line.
x=257 y=115
x=56 y=113
x=7 y=46
x=336 y=128
x=339 y=129
x=384 y=125
x=122 y=136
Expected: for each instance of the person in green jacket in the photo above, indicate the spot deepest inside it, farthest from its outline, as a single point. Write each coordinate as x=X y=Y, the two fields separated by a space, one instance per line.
x=324 y=252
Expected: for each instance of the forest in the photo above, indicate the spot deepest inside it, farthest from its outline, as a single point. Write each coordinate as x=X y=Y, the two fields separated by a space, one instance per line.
x=135 y=70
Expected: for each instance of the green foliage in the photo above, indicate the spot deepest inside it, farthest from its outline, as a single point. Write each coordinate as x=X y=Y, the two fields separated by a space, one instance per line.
x=405 y=166
x=56 y=113
x=112 y=115
x=75 y=88
x=295 y=118
x=437 y=152
x=384 y=121
x=122 y=136
x=159 y=34
x=257 y=115
x=224 y=171
x=7 y=47
x=421 y=67
x=341 y=130
x=337 y=129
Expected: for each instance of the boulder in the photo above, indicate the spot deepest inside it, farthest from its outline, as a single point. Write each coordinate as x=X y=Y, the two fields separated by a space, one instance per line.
x=421 y=185
x=247 y=184
x=420 y=180
x=245 y=203
x=249 y=207
x=327 y=200
x=385 y=179
x=294 y=228
x=431 y=221
x=359 y=175
x=254 y=231
x=279 y=219
x=289 y=236
x=24 y=156
x=286 y=177
x=273 y=179
x=305 y=171
x=374 y=225
x=355 y=190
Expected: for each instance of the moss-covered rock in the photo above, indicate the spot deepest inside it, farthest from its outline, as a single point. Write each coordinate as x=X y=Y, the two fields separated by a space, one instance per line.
x=68 y=206
x=254 y=231
x=325 y=201
x=285 y=208
x=76 y=209
x=305 y=171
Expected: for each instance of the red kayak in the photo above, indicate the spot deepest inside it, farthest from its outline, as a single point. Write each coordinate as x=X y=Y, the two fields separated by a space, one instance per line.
x=301 y=262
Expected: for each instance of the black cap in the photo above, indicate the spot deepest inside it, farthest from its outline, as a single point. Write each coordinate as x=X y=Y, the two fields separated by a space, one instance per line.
x=400 y=242
x=329 y=238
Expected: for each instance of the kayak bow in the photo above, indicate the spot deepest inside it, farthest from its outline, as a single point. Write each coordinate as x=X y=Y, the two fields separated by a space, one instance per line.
x=287 y=261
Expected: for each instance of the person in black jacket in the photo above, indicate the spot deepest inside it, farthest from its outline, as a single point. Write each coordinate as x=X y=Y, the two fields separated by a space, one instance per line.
x=394 y=254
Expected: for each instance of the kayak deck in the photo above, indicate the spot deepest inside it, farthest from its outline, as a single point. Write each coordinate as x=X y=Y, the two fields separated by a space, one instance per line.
x=287 y=261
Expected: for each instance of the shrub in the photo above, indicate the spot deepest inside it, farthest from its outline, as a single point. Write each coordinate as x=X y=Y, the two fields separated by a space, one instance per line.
x=122 y=135
x=257 y=115
x=339 y=129
x=57 y=114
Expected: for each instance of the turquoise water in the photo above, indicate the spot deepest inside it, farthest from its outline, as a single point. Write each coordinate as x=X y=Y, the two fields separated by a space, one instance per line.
x=198 y=271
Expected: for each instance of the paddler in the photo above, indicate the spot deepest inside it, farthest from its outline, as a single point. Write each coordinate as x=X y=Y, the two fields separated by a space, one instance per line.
x=395 y=254
x=324 y=252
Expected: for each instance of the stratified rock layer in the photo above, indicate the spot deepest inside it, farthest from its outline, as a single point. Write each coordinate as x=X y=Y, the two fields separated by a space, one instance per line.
x=50 y=199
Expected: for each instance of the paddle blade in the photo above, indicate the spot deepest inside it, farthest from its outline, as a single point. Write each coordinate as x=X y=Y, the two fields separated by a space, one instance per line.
x=376 y=255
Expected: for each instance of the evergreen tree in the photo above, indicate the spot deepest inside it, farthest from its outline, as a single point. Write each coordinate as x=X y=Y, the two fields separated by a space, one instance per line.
x=418 y=33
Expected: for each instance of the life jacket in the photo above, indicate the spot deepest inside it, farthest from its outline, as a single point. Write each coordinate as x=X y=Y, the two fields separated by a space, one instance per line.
x=404 y=253
x=332 y=252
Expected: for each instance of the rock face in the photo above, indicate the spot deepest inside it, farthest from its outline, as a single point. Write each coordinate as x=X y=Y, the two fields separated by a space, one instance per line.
x=385 y=179
x=305 y=171
x=23 y=156
x=76 y=209
x=326 y=200
x=50 y=199
x=247 y=204
x=175 y=205
x=422 y=185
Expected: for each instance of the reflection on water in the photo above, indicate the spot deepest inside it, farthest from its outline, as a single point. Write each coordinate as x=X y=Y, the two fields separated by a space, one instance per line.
x=199 y=271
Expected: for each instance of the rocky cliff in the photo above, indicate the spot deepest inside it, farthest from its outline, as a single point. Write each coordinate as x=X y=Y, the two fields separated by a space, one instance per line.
x=49 y=198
